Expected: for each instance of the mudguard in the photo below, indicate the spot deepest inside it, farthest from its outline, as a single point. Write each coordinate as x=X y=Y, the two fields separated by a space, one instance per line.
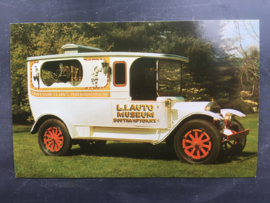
x=164 y=135
x=232 y=111
x=71 y=128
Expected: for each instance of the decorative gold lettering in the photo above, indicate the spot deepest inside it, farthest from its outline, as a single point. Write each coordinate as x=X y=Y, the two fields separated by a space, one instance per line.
x=143 y=107
x=118 y=109
x=127 y=114
x=132 y=107
x=150 y=114
x=138 y=114
x=143 y=114
x=138 y=107
x=120 y=114
x=132 y=114
x=150 y=107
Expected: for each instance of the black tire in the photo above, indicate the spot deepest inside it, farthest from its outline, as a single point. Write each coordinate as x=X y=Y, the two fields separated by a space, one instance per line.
x=234 y=147
x=197 y=142
x=88 y=144
x=54 y=138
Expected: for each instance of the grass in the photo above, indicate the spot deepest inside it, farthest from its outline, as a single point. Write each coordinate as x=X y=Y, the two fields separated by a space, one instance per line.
x=127 y=160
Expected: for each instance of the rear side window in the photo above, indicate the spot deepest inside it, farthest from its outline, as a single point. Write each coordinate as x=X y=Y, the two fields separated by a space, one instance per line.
x=119 y=74
x=66 y=71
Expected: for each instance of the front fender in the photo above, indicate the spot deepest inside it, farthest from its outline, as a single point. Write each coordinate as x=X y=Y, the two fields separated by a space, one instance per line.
x=165 y=134
x=41 y=119
x=232 y=111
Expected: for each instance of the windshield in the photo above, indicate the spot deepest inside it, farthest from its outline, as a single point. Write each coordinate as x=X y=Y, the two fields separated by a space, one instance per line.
x=169 y=77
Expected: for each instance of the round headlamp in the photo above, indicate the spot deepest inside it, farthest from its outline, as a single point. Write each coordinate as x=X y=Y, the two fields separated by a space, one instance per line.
x=212 y=106
x=229 y=119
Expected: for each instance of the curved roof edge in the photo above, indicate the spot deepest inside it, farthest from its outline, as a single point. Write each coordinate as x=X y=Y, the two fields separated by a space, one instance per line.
x=110 y=54
x=75 y=48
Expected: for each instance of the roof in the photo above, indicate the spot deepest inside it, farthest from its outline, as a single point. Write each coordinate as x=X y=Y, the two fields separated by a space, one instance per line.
x=76 y=51
x=74 y=48
x=110 y=54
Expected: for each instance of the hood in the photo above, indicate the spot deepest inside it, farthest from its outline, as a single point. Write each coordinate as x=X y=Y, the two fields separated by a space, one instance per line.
x=190 y=106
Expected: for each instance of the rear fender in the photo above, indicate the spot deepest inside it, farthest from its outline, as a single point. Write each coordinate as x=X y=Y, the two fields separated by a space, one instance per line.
x=41 y=119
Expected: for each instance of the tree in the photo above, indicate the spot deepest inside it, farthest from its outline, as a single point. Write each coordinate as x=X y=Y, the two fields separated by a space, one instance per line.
x=242 y=45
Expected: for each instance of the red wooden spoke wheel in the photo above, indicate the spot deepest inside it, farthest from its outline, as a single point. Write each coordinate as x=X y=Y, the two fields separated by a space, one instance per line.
x=53 y=139
x=196 y=144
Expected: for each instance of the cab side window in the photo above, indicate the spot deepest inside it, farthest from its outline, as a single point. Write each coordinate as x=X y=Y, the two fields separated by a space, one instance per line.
x=169 y=77
x=120 y=74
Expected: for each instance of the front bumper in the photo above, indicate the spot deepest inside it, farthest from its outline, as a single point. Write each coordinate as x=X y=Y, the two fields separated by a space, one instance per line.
x=235 y=135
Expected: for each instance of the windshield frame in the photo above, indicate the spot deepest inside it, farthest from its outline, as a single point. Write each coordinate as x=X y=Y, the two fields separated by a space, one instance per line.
x=172 y=93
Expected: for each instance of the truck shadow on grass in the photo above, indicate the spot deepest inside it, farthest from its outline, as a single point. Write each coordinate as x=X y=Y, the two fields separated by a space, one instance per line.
x=130 y=150
x=243 y=157
x=147 y=151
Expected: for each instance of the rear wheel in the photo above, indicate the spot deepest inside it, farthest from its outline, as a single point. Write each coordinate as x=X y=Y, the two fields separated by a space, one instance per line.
x=234 y=147
x=54 y=138
x=197 y=142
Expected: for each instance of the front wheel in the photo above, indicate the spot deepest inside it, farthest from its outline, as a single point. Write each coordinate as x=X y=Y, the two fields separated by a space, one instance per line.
x=197 y=142
x=54 y=138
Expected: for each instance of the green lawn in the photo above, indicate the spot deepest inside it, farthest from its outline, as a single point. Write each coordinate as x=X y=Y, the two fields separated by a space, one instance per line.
x=118 y=159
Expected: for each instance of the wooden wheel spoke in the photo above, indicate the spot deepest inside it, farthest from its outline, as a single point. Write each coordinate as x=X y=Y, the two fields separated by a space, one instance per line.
x=196 y=134
x=207 y=146
x=188 y=141
x=53 y=132
x=47 y=140
x=59 y=141
x=205 y=140
x=52 y=148
x=203 y=151
x=57 y=146
x=46 y=135
x=198 y=154
x=201 y=135
x=48 y=145
x=192 y=152
x=60 y=138
x=188 y=147
x=191 y=136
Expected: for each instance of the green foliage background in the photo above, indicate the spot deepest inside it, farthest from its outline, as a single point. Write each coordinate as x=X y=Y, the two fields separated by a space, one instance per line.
x=211 y=73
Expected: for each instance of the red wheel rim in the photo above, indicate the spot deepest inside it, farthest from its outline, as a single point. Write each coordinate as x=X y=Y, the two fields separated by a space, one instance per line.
x=53 y=139
x=196 y=144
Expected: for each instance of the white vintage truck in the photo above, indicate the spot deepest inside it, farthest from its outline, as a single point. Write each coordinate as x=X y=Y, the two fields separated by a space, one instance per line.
x=86 y=96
